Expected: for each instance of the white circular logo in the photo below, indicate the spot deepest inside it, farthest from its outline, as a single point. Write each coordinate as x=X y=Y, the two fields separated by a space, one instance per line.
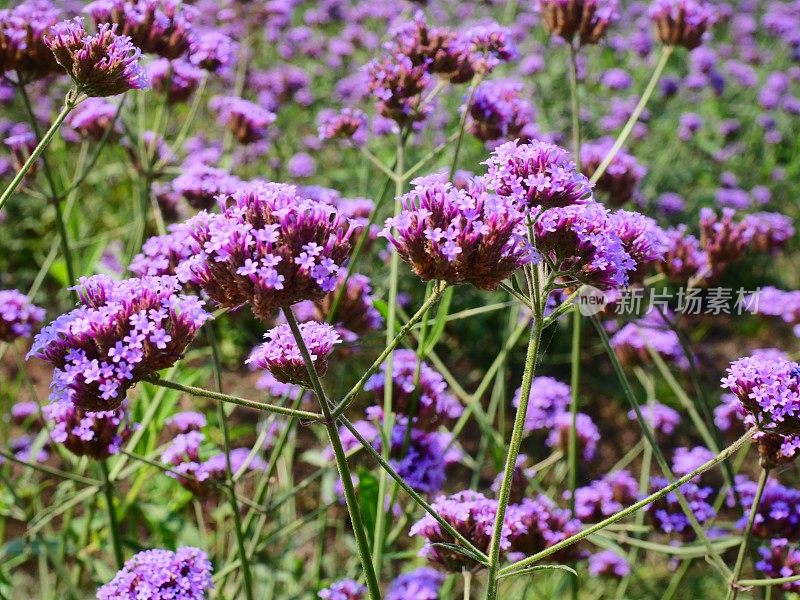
x=590 y=301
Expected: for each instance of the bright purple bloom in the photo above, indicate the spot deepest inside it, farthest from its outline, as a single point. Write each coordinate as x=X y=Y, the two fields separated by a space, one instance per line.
x=246 y=120
x=22 y=46
x=681 y=22
x=162 y=27
x=549 y=397
x=186 y=421
x=161 y=254
x=213 y=51
x=610 y=564
x=92 y=119
x=84 y=433
x=536 y=175
x=778 y=560
x=685 y=260
x=346 y=589
x=686 y=460
x=666 y=513
x=23 y=411
x=488 y=45
x=768 y=231
x=605 y=496
x=778 y=512
x=270 y=248
x=659 y=417
x=422 y=583
x=398 y=84
x=633 y=342
x=121 y=332
x=459 y=236
x=200 y=185
x=499 y=110
x=430 y=404
x=537 y=523
x=346 y=124
x=18 y=315
x=176 y=79
x=301 y=165
x=103 y=64
x=161 y=575
x=281 y=356
x=586 y=432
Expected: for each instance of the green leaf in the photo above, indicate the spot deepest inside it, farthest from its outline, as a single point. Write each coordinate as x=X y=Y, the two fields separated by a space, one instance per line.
x=58 y=270
x=441 y=319
x=368 y=499
x=532 y=570
x=381 y=306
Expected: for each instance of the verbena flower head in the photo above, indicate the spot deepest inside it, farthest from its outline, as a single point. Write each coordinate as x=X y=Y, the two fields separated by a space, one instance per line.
x=270 y=248
x=161 y=254
x=246 y=120
x=356 y=314
x=619 y=183
x=780 y=559
x=588 y=19
x=200 y=185
x=538 y=524
x=422 y=583
x=605 y=496
x=632 y=343
x=121 y=332
x=346 y=124
x=659 y=417
x=681 y=22
x=723 y=239
x=162 y=27
x=586 y=432
x=684 y=259
x=161 y=575
x=768 y=231
x=459 y=236
x=24 y=412
x=499 y=110
x=103 y=64
x=472 y=515
x=430 y=403
x=667 y=516
x=91 y=120
x=610 y=564
x=346 y=589
x=22 y=46
x=549 y=397
x=186 y=421
x=18 y=316
x=582 y=242
x=95 y=434
x=686 y=460
x=213 y=51
x=281 y=356
x=488 y=45
x=398 y=84
x=768 y=388
x=778 y=512
x=642 y=239
x=176 y=79
x=536 y=175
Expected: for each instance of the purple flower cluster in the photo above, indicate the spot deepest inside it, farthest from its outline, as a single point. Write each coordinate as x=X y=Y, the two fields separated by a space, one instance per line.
x=768 y=231
x=18 y=316
x=200 y=184
x=213 y=51
x=246 y=120
x=642 y=239
x=346 y=124
x=619 y=183
x=355 y=314
x=428 y=404
x=610 y=564
x=22 y=46
x=549 y=397
x=122 y=332
x=161 y=254
x=537 y=176
x=281 y=356
x=91 y=120
x=779 y=559
x=176 y=79
x=686 y=460
x=588 y=19
x=459 y=236
x=777 y=303
x=684 y=260
x=95 y=434
x=681 y=22
x=659 y=417
x=161 y=575
x=398 y=84
x=162 y=27
x=103 y=64
x=499 y=110
x=270 y=248
x=346 y=589
x=666 y=513
x=186 y=421
x=632 y=343
x=537 y=523
x=605 y=496
x=778 y=512
x=472 y=515
x=586 y=433
x=422 y=583
x=768 y=388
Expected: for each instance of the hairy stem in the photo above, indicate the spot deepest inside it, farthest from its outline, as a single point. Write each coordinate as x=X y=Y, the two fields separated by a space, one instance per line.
x=735 y=586
x=113 y=524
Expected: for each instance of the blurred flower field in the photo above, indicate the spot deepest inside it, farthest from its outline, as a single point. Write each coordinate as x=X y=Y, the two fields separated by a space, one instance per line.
x=405 y=300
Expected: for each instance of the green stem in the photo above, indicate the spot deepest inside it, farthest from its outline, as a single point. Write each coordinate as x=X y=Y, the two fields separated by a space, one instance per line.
x=666 y=51
x=467 y=583
x=116 y=539
x=735 y=586
x=727 y=452
x=513 y=450
x=462 y=125
x=575 y=104
x=202 y=393
x=572 y=450
x=341 y=461
x=70 y=102
x=247 y=581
